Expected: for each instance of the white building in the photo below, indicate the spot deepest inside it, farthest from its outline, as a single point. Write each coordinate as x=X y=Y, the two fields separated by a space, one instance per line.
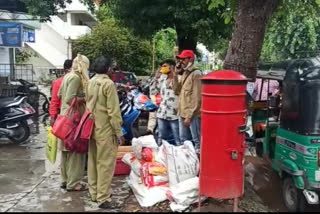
x=53 y=39
x=52 y=44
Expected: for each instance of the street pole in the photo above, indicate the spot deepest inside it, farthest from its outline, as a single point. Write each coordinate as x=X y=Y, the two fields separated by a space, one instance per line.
x=11 y=64
x=153 y=54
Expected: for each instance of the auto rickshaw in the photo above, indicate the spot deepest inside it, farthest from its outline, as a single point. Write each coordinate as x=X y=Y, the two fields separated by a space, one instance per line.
x=286 y=128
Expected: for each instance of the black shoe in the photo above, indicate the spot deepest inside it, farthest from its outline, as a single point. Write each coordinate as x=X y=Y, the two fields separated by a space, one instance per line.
x=63 y=186
x=109 y=205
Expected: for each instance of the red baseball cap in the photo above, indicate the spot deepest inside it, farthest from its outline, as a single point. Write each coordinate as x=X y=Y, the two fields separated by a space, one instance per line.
x=186 y=54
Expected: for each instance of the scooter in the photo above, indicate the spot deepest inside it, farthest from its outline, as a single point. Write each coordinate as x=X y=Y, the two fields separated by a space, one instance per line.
x=15 y=114
x=132 y=104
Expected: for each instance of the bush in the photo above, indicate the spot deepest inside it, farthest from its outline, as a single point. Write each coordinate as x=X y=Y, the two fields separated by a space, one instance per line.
x=109 y=38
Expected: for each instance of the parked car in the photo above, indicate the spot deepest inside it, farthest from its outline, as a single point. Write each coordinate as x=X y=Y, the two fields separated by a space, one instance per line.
x=125 y=77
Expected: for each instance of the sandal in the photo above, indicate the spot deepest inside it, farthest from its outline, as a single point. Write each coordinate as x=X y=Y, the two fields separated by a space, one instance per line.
x=78 y=187
x=109 y=205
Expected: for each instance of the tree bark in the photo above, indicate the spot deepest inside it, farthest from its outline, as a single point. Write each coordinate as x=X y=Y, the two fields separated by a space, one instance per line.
x=248 y=34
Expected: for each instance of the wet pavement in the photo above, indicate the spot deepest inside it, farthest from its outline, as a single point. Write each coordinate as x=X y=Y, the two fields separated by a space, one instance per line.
x=28 y=182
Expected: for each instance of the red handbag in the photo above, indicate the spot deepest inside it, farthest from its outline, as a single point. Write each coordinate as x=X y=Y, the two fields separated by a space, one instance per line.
x=85 y=128
x=69 y=142
x=63 y=124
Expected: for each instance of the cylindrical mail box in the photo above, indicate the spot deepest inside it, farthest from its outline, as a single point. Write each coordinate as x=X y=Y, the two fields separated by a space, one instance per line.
x=223 y=117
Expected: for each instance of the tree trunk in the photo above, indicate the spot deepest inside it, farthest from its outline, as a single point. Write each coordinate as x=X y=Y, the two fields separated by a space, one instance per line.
x=248 y=34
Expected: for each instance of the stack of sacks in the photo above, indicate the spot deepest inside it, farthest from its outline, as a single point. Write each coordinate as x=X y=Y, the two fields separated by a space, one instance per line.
x=148 y=179
x=165 y=172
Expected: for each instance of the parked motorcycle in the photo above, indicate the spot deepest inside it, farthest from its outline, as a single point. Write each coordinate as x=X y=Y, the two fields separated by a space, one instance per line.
x=133 y=104
x=35 y=97
x=15 y=118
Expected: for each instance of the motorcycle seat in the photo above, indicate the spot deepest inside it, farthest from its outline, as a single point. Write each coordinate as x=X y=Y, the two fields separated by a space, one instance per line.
x=10 y=101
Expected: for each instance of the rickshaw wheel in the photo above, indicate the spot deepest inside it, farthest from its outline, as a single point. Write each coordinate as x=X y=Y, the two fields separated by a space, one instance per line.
x=293 y=197
x=259 y=149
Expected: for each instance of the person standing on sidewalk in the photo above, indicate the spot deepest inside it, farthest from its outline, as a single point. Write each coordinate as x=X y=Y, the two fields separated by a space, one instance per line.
x=103 y=102
x=189 y=91
x=152 y=121
x=55 y=103
x=167 y=114
x=73 y=86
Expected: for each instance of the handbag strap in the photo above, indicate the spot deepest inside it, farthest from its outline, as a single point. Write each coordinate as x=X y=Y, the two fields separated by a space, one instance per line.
x=95 y=97
x=73 y=104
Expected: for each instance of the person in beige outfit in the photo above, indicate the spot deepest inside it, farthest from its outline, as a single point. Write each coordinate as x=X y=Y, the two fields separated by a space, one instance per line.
x=103 y=102
x=189 y=91
x=73 y=85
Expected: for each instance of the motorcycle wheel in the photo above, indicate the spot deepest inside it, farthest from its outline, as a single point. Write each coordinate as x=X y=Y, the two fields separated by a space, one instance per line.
x=45 y=107
x=22 y=133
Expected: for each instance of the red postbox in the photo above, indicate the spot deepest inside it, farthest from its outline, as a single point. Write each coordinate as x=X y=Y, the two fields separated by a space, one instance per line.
x=223 y=117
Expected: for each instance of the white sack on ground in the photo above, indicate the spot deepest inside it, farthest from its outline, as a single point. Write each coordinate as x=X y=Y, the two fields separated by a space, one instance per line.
x=127 y=158
x=136 y=166
x=144 y=141
x=148 y=197
x=134 y=178
x=177 y=207
x=161 y=156
x=133 y=162
x=184 y=194
x=182 y=162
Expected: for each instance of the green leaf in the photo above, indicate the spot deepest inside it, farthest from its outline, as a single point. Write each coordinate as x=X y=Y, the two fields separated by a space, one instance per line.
x=216 y=3
x=227 y=19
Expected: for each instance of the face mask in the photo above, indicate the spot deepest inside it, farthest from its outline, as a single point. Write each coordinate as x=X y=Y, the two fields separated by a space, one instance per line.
x=165 y=70
x=188 y=66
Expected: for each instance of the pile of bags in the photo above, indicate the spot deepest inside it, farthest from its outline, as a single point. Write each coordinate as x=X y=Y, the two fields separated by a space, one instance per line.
x=163 y=173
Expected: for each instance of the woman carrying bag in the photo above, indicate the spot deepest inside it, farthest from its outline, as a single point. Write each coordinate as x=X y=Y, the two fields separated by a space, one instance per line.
x=73 y=86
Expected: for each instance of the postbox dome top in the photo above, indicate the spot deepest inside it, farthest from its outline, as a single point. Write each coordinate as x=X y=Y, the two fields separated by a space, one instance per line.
x=228 y=75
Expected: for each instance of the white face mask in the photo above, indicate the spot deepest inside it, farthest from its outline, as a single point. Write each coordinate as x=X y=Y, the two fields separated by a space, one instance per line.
x=188 y=66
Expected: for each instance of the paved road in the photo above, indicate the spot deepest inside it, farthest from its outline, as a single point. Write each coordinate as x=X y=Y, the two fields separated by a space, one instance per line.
x=28 y=182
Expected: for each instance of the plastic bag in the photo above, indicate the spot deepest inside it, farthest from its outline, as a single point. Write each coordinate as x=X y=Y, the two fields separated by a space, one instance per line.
x=147 y=155
x=147 y=141
x=182 y=162
x=51 y=147
x=150 y=180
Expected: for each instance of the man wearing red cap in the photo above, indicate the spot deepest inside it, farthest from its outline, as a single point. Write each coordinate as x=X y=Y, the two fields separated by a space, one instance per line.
x=189 y=91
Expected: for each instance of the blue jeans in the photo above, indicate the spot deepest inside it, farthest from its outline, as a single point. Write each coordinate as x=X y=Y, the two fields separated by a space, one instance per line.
x=169 y=131
x=191 y=133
